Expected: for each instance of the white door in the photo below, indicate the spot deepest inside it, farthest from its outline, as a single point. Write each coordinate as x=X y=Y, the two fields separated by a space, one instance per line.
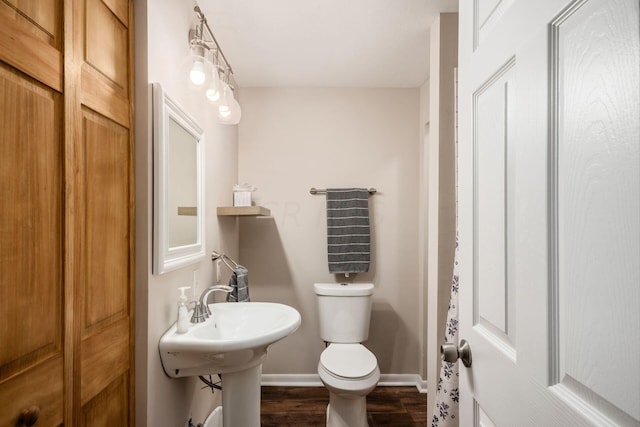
x=549 y=212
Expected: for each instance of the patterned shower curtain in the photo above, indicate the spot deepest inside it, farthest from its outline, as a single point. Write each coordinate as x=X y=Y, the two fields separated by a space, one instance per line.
x=447 y=394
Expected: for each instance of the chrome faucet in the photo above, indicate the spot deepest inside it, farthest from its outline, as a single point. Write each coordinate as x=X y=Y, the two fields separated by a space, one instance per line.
x=201 y=310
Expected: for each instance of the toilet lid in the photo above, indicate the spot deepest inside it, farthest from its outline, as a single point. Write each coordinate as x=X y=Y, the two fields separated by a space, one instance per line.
x=348 y=360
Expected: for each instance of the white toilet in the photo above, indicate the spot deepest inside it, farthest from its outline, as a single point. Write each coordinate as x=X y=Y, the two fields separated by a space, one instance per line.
x=347 y=368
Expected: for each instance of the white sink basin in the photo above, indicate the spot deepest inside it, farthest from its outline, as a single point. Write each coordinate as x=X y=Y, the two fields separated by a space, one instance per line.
x=235 y=338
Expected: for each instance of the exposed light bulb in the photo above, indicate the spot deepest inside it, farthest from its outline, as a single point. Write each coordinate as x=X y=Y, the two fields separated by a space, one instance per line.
x=197 y=74
x=236 y=113
x=224 y=111
x=213 y=88
x=230 y=114
x=226 y=102
x=213 y=95
x=214 y=85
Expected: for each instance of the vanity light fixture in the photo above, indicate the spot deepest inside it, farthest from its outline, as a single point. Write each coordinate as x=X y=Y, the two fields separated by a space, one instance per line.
x=210 y=72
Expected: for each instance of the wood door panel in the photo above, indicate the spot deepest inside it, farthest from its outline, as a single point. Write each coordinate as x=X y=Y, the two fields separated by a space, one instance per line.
x=30 y=222
x=106 y=147
x=40 y=386
x=120 y=8
x=104 y=72
x=28 y=52
x=110 y=407
x=104 y=96
x=42 y=18
x=106 y=42
x=104 y=358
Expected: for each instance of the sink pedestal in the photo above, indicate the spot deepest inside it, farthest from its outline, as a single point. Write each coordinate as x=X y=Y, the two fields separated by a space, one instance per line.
x=241 y=398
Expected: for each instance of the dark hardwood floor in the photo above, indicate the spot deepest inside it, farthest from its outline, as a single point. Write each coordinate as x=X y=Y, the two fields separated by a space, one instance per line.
x=306 y=407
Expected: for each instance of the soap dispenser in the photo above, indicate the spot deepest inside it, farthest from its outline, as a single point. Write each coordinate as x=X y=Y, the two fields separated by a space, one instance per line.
x=182 y=325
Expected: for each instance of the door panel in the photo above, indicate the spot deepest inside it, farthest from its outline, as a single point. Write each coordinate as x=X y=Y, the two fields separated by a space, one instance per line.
x=105 y=168
x=120 y=9
x=43 y=19
x=597 y=183
x=30 y=220
x=107 y=61
x=105 y=354
x=31 y=250
x=106 y=43
x=110 y=407
x=494 y=293
x=40 y=386
x=549 y=207
x=106 y=148
x=487 y=14
x=103 y=96
x=31 y=39
x=104 y=359
x=482 y=419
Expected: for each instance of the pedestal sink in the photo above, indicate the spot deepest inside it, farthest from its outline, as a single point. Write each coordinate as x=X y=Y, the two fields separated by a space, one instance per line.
x=232 y=342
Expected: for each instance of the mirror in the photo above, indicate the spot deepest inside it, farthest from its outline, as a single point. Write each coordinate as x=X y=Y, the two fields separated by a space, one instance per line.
x=178 y=217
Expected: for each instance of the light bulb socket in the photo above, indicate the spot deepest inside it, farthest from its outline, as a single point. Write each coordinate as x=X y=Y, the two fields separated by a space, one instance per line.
x=198 y=48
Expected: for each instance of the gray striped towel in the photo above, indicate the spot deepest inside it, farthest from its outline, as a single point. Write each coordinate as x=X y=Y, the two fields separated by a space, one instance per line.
x=348 y=235
x=239 y=281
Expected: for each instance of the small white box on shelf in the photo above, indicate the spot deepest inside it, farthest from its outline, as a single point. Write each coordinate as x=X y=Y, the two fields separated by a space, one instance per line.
x=242 y=198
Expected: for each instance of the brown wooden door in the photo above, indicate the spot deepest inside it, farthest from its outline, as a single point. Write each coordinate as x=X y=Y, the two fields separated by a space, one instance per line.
x=66 y=216
x=32 y=211
x=103 y=163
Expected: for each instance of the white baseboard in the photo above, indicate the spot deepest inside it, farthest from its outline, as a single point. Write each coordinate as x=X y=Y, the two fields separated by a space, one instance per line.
x=291 y=380
x=313 y=380
x=403 y=380
x=421 y=385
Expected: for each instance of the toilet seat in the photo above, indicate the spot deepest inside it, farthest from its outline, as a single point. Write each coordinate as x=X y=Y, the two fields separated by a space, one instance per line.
x=348 y=361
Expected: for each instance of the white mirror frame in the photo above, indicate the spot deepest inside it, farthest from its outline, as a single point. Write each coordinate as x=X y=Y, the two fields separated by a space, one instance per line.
x=167 y=258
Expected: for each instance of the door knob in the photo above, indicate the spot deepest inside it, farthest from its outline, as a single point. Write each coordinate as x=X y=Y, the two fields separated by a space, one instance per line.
x=29 y=416
x=450 y=353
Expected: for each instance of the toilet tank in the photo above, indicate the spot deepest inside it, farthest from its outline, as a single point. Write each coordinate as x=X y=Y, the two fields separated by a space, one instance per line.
x=344 y=311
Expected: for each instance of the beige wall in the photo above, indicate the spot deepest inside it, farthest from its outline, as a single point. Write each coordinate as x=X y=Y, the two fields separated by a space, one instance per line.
x=440 y=169
x=294 y=139
x=161 y=43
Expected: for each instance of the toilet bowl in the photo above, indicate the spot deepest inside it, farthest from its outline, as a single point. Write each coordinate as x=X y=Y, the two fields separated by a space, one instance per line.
x=350 y=372
x=347 y=368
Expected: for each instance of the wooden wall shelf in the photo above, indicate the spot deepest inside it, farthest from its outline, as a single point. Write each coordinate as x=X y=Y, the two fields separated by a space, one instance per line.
x=243 y=211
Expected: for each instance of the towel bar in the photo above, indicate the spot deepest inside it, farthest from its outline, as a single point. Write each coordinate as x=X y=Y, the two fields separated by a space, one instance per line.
x=224 y=258
x=314 y=190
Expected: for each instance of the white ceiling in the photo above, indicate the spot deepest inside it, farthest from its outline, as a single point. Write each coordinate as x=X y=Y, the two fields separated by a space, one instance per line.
x=336 y=43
